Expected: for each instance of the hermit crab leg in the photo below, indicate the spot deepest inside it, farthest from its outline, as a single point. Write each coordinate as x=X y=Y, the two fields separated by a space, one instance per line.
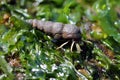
x=78 y=47
x=71 y=48
x=63 y=45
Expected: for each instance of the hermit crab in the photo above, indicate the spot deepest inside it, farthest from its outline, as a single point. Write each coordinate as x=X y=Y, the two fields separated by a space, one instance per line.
x=59 y=31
